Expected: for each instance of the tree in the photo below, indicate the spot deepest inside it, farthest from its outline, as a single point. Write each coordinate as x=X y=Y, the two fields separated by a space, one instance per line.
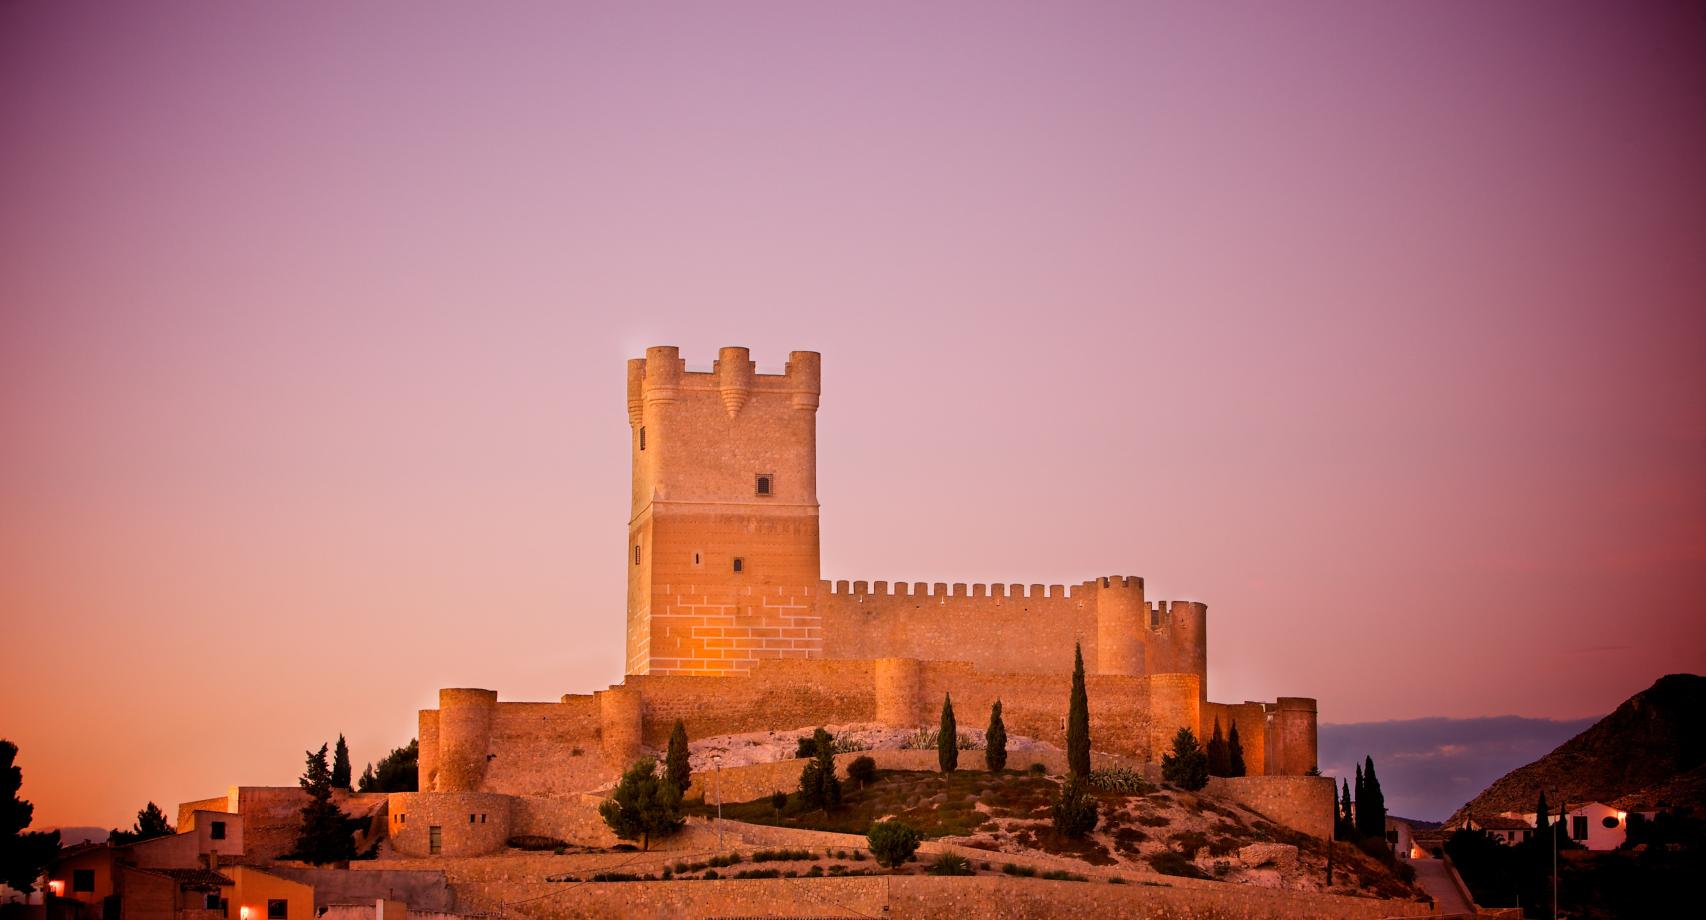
x=948 y=738
x=1078 y=719
x=150 y=823
x=778 y=801
x=818 y=785
x=995 y=741
x=892 y=842
x=1371 y=814
x=676 y=765
x=1219 y=759
x=1235 y=753
x=1187 y=766
x=644 y=805
x=1074 y=810
x=1361 y=793
x=340 y=765
x=862 y=770
x=326 y=835
x=23 y=854
x=1542 y=819
x=1343 y=828
x=398 y=771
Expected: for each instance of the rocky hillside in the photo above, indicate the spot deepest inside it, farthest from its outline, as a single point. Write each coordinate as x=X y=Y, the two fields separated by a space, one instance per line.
x=1652 y=739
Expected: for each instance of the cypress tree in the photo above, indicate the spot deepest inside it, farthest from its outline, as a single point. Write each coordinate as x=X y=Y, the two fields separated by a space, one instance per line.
x=326 y=835
x=819 y=787
x=1078 y=720
x=995 y=741
x=1219 y=761
x=676 y=766
x=1342 y=828
x=948 y=738
x=1371 y=817
x=1234 y=752
x=1356 y=811
x=1187 y=766
x=340 y=765
x=1542 y=818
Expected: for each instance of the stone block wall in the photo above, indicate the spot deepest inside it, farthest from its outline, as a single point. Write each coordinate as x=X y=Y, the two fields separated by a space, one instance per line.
x=1303 y=803
x=469 y=823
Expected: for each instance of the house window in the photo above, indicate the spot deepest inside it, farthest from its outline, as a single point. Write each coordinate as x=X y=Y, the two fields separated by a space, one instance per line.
x=216 y=830
x=482 y=819
x=766 y=484
x=1579 y=827
x=83 y=880
x=470 y=819
x=636 y=554
x=642 y=437
x=1609 y=822
x=740 y=564
x=435 y=839
x=211 y=902
x=278 y=909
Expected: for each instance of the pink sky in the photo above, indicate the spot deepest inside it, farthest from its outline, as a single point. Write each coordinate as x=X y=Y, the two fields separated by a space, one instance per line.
x=1381 y=328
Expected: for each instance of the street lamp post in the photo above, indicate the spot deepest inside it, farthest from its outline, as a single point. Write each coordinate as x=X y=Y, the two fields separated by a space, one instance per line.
x=717 y=763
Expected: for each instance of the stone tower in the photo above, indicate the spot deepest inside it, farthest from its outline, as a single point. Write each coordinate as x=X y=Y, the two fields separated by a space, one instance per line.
x=723 y=536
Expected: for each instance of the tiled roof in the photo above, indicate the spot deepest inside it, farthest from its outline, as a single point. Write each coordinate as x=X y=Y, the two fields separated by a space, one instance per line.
x=196 y=878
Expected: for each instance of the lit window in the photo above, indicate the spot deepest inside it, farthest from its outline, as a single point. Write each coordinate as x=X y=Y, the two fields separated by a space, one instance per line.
x=740 y=564
x=766 y=483
x=278 y=909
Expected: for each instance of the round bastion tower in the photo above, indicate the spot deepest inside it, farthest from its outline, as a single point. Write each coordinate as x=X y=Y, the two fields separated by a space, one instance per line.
x=1120 y=612
x=464 y=738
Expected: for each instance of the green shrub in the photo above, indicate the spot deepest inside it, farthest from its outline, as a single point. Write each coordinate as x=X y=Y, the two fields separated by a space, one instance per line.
x=892 y=842
x=1074 y=810
x=1116 y=880
x=783 y=855
x=1119 y=780
x=951 y=864
x=723 y=862
x=1039 y=769
x=1187 y=765
x=534 y=842
x=1061 y=875
x=1021 y=871
x=710 y=875
x=862 y=770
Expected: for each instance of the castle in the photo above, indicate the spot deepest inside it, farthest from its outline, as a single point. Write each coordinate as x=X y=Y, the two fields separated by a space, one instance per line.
x=731 y=628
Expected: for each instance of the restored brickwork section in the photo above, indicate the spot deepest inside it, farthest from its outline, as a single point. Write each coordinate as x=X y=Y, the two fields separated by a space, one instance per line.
x=724 y=511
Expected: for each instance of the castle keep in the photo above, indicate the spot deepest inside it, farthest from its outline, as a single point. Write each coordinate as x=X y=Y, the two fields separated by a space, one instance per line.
x=731 y=627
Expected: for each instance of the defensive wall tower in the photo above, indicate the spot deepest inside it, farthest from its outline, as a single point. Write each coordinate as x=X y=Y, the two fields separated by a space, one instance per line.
x=1291 y=738
x=1176 y=641
x=723 y=534
x=621 y=714
x=464 y=738
x=1120 y=614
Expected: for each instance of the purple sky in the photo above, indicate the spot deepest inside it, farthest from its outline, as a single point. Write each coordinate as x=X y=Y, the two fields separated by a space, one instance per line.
x=1378 y=327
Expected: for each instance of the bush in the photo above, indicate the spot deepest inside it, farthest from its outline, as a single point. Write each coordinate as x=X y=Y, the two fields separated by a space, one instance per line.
x=1187 y=765
x=951 y=864
x=1119 y=780
x=1039 y=769
x=892 y=842
x=1021 y=871
x=818 y=786
x=782 y=855
x=723 y=862
x=1074 y=809
x=862 y=770
x=1189 y=842
x=1061 y=875
x=778 y=801
x=644 y=805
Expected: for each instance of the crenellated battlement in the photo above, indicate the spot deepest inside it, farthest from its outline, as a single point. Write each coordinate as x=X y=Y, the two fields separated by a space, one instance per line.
x=920 y=589
x=662 y=376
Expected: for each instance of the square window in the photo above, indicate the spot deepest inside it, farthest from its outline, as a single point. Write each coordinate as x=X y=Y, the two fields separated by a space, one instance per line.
x=83 y=880
x=766 y=484
x=278 y=909
x=211 y=902
x=216 y=830
x=740 y=564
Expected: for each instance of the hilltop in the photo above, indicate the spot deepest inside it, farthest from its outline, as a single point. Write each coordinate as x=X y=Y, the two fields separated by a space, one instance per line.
x=1652 y=739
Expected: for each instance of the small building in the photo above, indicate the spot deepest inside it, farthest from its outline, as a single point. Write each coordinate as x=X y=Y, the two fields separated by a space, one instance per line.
x=1594 y=825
